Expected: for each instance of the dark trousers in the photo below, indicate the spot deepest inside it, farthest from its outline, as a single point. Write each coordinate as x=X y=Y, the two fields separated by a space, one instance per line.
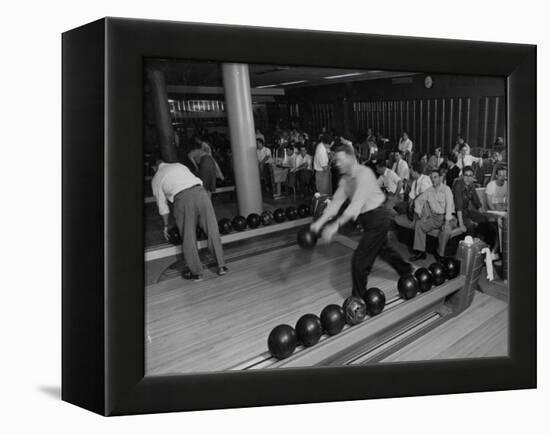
x=374 y=242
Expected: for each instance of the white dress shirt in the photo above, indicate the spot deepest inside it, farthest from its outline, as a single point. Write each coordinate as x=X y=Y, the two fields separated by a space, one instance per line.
x=467 y=160
x=321 y=157
x=170 y=179
x=361 y=188
x=262 y=153
x=405 y=145
x=305 y=159
x=401 y=168
x=389 y=181
x=419 y=186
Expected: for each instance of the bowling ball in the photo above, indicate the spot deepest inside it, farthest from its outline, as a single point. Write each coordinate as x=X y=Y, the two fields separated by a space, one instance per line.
x=306 y=238
x=266 y=218
x=375 y=299
x=407 y=286
x=279 y=215
x=174 y=236
x=451 y=267
x=291 y=213
x=355 y=310
x=438 y=273
x=303 y=210
x=309 y=329
x=253 y=220
x=332 y=319
x=282 y=341
x=239 y=223
x=224 y=225
x=425 y=280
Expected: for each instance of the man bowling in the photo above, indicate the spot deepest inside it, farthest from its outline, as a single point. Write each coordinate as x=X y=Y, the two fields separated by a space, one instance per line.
x=358 y=184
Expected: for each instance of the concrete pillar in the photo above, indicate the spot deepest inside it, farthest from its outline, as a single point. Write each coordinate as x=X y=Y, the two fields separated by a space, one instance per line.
x=163 y=121
x=238 y=105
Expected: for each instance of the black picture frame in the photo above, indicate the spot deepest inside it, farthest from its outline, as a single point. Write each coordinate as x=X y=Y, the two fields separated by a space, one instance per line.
x=103 y=233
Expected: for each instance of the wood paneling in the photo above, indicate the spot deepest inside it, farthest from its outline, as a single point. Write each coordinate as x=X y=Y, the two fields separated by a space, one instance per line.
x=434 y=122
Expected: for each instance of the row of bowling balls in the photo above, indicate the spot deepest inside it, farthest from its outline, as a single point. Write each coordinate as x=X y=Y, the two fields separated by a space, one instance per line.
x=253 y=221
x=283 y=339
x=424 y=279
x=267 y=218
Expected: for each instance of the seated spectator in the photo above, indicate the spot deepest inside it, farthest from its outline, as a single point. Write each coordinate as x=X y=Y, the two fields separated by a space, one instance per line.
x=460 y=142
x=485 y=171
x=390 y=183
x=496 y=191
x=438 y=158
x=432 y=164
x=424 y=163
x=453 y=170
x=467 y=202
x=434 y=210
x=401 y=167
x=465 y=159
x=420 y=184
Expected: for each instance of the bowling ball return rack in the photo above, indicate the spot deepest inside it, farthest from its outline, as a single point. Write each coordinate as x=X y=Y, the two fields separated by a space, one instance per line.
x=400 y=323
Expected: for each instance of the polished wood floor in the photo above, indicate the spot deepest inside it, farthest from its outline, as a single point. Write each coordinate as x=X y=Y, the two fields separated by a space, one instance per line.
x=480 y=331
x=220 y=322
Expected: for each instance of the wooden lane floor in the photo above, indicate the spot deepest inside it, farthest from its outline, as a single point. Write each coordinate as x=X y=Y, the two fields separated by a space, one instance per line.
x=218 y=323
x=479 y=331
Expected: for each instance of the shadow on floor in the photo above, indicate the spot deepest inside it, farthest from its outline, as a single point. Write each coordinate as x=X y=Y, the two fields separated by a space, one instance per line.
x=52 y=391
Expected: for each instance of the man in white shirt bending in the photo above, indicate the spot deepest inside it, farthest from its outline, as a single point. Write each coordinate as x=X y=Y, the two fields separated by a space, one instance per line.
x=358 y=185
x=174 y=183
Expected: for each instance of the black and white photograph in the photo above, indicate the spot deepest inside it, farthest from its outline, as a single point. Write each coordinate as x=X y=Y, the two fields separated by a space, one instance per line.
x=301 y=216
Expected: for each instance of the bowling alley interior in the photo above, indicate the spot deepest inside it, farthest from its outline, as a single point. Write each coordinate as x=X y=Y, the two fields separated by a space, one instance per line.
x=258 y=141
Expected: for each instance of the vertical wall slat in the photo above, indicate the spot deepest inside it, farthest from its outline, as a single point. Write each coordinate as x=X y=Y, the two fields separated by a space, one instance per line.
x=485 y=122
x=468 y=104
x=450 y=144
x=442 y=143
x=495 y=131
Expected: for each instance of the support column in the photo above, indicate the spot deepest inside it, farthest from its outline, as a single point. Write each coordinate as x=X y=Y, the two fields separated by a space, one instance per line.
x=163 y=121
x=238 y=103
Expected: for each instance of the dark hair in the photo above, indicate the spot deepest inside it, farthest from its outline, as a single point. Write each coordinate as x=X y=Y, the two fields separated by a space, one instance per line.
x=417 y=167
x=340 y=147
x=259 y=139
x=381 y=163
x=467 y=169
x=452 y=158
x=443 y=165
x=326 y=138
x=500 y=168
x=434 y=171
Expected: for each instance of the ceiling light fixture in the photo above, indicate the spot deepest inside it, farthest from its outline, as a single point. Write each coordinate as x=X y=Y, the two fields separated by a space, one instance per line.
x=351 y=74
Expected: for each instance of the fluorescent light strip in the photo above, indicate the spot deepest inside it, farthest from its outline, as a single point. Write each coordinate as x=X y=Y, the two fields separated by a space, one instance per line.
x=351 y=74
x=267 y=85
x=293 y=82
